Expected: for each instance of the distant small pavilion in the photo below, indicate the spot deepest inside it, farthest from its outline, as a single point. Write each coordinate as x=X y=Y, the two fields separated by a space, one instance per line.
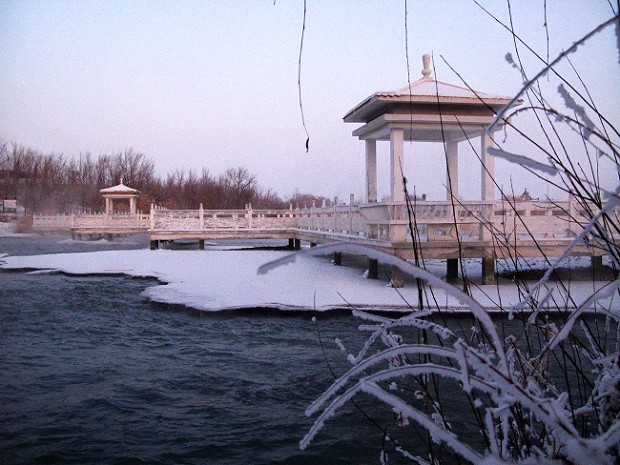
x=120 y=192
x=426 y=111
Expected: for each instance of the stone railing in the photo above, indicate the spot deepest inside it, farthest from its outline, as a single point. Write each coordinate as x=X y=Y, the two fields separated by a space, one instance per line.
x=538 y=219
x=116 y=221
x=188 y=220
x=473 y=220
x=52 y=222
x=338 y=219
x=384 y=221
x=90 y=221
x=433 y=220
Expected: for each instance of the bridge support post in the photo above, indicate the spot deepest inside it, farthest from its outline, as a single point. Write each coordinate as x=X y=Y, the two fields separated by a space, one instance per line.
x=297 y=244
x=291 y=243
x=201 y=244
x=373 y=268
x=338 y=258
x=596 y=262
x=397 y=280
x=154 y=245
x=452 y=268
x=488 y=270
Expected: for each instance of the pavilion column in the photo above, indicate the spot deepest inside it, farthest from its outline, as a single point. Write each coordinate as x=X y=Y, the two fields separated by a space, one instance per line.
x=371 y=171
x=488 y=195
x=107 y=206
x=132 y=205
x=488 y=168
x=397 y=187
x=452 y=170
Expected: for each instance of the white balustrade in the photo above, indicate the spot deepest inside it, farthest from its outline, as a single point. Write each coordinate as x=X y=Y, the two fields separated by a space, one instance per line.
x=385 y=221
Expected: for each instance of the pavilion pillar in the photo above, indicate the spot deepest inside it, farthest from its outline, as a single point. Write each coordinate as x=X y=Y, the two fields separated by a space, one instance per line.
x=488 y=168
x=487 y=189
x=132 y=205
x=397 y=187
x=452 y=170
x=371 y=171
x=108 y=206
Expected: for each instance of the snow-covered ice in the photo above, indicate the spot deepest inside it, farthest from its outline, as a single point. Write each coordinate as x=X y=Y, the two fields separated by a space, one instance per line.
x=215 y=280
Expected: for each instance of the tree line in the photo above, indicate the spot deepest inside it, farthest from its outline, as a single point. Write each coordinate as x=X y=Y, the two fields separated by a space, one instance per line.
x=54 y=183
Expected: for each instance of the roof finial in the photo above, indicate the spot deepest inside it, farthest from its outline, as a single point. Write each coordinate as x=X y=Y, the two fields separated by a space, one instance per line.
x=426 y=60
x=121 y=180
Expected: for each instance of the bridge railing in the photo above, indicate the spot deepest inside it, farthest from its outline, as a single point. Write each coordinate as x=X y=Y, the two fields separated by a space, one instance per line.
x=384 y=221
x=188 y=220
x=90 y=221
x=115 y=221
x=338 y=219
x=52 y=222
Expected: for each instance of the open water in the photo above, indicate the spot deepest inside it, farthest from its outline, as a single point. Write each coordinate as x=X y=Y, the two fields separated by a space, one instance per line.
x=91 y=372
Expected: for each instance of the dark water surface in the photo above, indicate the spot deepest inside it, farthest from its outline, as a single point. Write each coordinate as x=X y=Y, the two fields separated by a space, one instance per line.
x=90 y=372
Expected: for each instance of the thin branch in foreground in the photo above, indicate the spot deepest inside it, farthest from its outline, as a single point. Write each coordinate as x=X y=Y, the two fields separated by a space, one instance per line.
x=301 y=106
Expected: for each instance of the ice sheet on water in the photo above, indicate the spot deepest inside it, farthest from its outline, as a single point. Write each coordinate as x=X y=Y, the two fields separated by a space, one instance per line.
x=222 y=279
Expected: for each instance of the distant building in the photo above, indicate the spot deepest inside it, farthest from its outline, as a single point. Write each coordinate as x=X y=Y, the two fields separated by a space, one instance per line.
x=525 y=197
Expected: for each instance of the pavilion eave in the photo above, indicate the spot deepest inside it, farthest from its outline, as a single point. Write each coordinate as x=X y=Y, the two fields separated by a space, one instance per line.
x=424 y=128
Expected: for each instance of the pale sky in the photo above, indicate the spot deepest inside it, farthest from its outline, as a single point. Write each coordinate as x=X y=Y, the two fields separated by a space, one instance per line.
x=213 y=84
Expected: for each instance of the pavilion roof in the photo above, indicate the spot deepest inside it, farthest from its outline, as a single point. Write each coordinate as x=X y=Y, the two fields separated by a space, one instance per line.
x=119 y=189
x=425 y=91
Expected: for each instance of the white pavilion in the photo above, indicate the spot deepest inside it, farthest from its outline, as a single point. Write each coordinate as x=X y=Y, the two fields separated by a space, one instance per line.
x=427 y=110
x=117 y=193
